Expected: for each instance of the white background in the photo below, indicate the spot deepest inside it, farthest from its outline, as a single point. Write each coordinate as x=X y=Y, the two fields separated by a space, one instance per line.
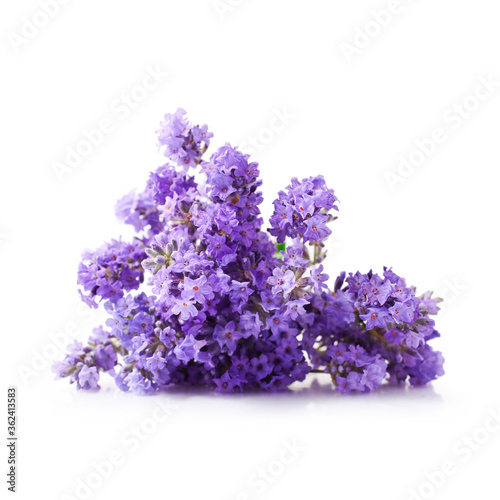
x=352 y=120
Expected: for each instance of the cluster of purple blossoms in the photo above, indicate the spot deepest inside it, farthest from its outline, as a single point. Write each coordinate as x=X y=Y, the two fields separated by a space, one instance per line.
x=82 y=364
x=303 y=211
x=376 y=327
x=204 y=296
x=110 y=271
x=184 y=144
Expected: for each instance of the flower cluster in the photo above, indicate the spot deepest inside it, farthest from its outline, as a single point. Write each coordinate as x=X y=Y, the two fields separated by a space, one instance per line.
x=353 y=369
x=379 y=320
x=204 y=296
x=82 y=364
x=112 y=270
x=303 y=211
x=184 y=144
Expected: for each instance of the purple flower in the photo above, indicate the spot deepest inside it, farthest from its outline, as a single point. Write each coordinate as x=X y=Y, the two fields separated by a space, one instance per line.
x=167 y=210
x=106 y=357
x=183 y=143
x=352 y=382
x=222 y=186
x=185 y=308
x=354 y=369
x=244 y=234
x=377 y=290
x=318 y=278
x=294 y=257
x=374 y=374
x=316 y=229
x=155 y=363
x=428 y=303
x=189 y=348
x=277 y=324
x=282 y=282
x=394 y=336
x=227 y=336
x=226 y=383
x=338 y=352
x=414 y=339
x=295 y=308
x=240 y=291
x=198 y=290
x=303 y=210
x=261 y=366
x=250 y=324
x=375 y=318
x=142 y=323
x=403 y=311
x=218 y=248
x=88 y=378
x=139 y=383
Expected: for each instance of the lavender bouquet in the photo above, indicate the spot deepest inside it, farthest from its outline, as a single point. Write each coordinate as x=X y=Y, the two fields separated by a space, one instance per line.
x=204 y=296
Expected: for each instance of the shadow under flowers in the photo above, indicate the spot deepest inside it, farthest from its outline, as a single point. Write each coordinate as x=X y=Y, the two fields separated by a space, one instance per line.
x=315 y=387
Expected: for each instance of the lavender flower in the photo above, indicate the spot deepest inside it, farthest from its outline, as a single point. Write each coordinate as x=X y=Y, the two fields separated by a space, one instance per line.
x=204 y=296
x=184 y=144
